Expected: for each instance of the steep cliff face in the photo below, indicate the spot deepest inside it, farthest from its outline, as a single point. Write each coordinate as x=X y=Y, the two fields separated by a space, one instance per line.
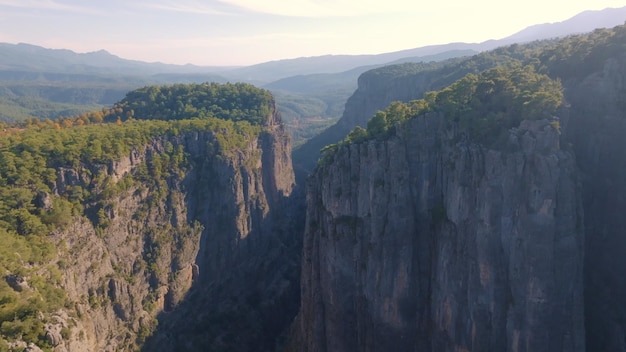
x=593 y=73
x=249 y=255
x=596 y=130
x=146 y=247
x=430 y=242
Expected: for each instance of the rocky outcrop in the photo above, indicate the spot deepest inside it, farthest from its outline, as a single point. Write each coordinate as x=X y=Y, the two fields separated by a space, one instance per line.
x=17 y=282
x=139 y=253
x=53 y=335
x=430 y=242
x=249 y=254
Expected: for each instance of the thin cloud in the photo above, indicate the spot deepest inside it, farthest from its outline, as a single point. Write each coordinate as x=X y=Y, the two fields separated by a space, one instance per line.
x=332 y=8
x=184 y=7
x=188 y=7
x=43 y=5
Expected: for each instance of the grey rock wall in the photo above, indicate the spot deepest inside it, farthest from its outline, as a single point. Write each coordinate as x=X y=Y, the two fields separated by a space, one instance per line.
x=596 y=131
x=159 y=245
x=428 y=242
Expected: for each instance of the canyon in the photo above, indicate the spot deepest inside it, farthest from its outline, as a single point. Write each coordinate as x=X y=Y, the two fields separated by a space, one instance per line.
x=428 y=236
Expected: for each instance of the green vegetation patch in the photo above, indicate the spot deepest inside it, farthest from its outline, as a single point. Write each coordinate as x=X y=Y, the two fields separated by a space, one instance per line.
x=496 y=100
x=482 y=106
x=236 y=102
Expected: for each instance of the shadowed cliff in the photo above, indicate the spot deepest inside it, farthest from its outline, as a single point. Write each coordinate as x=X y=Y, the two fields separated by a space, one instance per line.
x=249 y=252
x=169 y=229
x=429 y=234
x=423 y=240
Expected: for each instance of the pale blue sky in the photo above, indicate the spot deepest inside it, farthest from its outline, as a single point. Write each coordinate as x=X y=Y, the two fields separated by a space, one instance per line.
x=243 y=32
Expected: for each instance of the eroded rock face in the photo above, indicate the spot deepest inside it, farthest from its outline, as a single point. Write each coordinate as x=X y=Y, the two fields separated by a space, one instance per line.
x=32 y=348
x=247 y=263
x=53 y=335
x=596 y=130
x=152 y=249
x=430 y=242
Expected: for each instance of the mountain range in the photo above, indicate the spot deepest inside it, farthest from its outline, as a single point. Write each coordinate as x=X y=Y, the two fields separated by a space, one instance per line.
x=29 y=57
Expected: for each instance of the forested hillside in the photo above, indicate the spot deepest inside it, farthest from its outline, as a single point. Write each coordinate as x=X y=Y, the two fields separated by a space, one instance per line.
x=236 y=102
x=125 y=181
x=571 y=58
x=481 y=107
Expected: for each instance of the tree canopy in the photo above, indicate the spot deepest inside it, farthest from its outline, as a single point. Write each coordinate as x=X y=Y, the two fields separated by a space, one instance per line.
x=495 y=99
x=481 y=105
x=237 y=102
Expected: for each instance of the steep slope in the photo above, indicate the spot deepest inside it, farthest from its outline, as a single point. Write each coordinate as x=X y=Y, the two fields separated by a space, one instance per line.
x=596 y=130
x=444 y=249
x=405 y=187
x=437 y=237
x=143 y=214
x=248 y=259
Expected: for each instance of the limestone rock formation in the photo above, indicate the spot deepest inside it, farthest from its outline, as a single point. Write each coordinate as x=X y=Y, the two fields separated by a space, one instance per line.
x=142 y=254
x=596 y=130
x=429 y=242
x=248 y=260
x=593 y=129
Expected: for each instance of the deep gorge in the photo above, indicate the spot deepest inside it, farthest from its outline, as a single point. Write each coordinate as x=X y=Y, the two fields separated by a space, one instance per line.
x=485 y=217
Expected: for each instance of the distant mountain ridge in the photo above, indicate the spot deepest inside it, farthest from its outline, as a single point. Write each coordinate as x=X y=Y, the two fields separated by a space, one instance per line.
x=26 y=56
x=23 y=56
x=311 y=92
x=581 y=23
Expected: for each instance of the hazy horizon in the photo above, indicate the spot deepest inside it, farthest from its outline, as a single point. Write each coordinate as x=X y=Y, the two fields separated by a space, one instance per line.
x=244 y=32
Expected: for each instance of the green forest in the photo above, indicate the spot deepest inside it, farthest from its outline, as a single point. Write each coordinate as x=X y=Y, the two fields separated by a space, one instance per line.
x=236 y=102
x=482 y=105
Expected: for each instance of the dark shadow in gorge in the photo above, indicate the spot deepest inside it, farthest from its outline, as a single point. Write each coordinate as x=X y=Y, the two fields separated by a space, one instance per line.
x=248 y=290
